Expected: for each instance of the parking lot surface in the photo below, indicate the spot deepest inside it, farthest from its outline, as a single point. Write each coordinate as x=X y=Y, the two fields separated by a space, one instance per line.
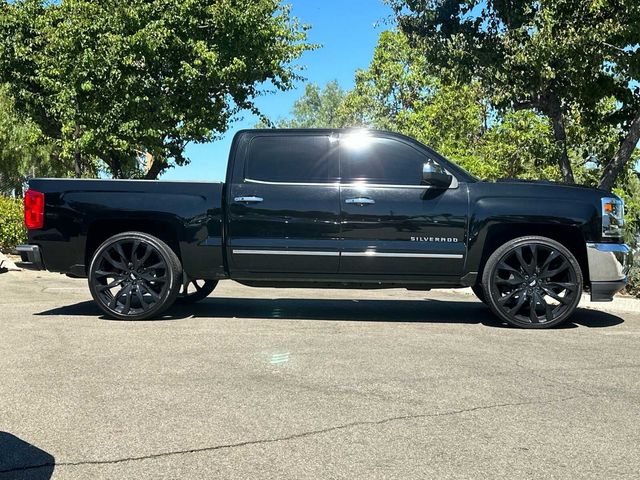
x=276 y=384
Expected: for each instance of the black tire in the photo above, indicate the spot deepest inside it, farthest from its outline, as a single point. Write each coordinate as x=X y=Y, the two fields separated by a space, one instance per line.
x=533 y=274
x=479 y=291
x=195 y=290
x=134 y=276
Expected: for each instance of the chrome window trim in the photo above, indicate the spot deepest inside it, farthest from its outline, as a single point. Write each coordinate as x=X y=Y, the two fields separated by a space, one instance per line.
x=296 y=184
x=454 y=184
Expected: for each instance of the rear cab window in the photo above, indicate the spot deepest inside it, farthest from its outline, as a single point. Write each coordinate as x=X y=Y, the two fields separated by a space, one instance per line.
x=292 y=159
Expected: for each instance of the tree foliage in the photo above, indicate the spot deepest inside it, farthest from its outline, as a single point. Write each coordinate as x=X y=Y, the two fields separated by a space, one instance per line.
x=23 y=151
x=561 y=58
x=113 y=79
x=400 y=91
x=317 y=108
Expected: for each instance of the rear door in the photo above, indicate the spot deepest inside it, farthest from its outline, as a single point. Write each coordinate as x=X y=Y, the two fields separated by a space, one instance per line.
x=391 y=223
x=284 y=205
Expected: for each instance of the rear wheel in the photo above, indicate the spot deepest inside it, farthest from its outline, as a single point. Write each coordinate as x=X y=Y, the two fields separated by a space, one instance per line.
x=134 y=276
x=195 y=290
x=479 y=291
x=532 y=282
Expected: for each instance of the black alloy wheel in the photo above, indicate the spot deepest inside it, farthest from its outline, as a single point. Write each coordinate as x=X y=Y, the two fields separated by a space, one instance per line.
x=533 y=282
x=195 y=290
x=134 y=276
x=479 y=292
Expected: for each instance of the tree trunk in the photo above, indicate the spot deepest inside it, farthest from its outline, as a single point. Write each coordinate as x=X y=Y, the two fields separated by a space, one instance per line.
x=560 y=137
x=157 y=167
x=77 y=163
x=77 y=156
x=622 y=156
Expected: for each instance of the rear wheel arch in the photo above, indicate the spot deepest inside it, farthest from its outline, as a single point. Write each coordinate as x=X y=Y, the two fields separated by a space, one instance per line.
x=101 y=230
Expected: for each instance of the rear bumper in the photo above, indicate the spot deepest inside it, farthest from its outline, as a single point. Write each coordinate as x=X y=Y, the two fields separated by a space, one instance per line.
x=609 y=264
x=30 y=257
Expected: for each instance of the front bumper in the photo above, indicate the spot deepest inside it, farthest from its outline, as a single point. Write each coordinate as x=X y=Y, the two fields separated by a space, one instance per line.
x=609 y=264
x=30 y=257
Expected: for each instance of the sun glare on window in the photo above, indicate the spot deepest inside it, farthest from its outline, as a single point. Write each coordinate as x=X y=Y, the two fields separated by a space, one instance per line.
x=357 y=140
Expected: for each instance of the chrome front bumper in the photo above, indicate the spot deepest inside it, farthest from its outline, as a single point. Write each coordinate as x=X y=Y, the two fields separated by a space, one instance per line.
x=609 y=264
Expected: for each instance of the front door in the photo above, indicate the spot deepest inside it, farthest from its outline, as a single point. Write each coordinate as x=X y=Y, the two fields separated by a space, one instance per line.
x=391 y=224
x=284 y=206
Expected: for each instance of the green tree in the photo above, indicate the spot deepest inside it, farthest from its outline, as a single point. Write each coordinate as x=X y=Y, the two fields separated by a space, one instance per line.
x=400 y=91
x=560 y=58
x=115 y=79
x=317 y=108
x=23 y=151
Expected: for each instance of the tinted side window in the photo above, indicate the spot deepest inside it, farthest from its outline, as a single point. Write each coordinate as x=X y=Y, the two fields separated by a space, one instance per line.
x=380 y=160
x=283 y=158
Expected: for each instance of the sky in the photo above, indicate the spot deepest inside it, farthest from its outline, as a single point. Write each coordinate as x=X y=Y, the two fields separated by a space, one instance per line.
x=347 y=30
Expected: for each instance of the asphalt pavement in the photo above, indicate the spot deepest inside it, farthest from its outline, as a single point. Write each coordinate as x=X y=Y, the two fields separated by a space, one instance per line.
x=296 y=383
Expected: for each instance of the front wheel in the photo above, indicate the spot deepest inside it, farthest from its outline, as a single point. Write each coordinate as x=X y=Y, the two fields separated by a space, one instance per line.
x=532 y=282
x=134 y=276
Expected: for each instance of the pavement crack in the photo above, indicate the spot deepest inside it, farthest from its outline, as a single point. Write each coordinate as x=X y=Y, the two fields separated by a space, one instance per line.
x=287 y=438
x=553 y=380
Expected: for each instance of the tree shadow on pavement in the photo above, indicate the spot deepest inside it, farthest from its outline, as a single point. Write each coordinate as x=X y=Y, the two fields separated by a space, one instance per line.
x=21 y=460
x=400 y=311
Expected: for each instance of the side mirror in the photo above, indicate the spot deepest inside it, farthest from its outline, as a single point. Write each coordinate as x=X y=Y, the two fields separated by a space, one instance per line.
x=436 y=176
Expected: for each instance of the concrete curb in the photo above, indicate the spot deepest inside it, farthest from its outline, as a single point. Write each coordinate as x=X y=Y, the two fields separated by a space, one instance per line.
x=619 y=304
x=7 y=265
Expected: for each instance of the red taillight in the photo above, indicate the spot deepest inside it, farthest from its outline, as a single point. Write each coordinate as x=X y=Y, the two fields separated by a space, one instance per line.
x=33 y=209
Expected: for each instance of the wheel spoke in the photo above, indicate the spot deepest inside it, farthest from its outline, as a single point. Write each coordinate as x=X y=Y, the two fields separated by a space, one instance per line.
x=134 y=254
x=561 y=268
x=127 y=301
x=104 y=273
x=145 y=255
x=509 y=281
x=119 y=265
x=534 y=257
x=119 y=293
x=509 y=296
x=522 y=261
x=503 y=266
x=547 y=263
x=555 y=296
x=149 y=290
x=152 y=278
x=533 y=315
x=518 y=305
x=548 y=312
x=109 y=286
x=119 y=251
x=564 y=285
x=143 y=303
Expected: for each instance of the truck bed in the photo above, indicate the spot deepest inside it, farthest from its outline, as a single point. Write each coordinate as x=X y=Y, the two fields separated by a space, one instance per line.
x=81 y=214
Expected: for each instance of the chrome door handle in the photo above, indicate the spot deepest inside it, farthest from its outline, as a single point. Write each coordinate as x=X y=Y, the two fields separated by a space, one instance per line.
x=248 y=199
x=360 y=201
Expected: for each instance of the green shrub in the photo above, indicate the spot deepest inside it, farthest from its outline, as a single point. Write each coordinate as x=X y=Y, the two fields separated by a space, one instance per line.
x=12 y=231
x=633 y=285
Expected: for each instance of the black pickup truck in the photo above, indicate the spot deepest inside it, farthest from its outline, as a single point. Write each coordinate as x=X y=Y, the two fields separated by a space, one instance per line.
x=331 y=209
